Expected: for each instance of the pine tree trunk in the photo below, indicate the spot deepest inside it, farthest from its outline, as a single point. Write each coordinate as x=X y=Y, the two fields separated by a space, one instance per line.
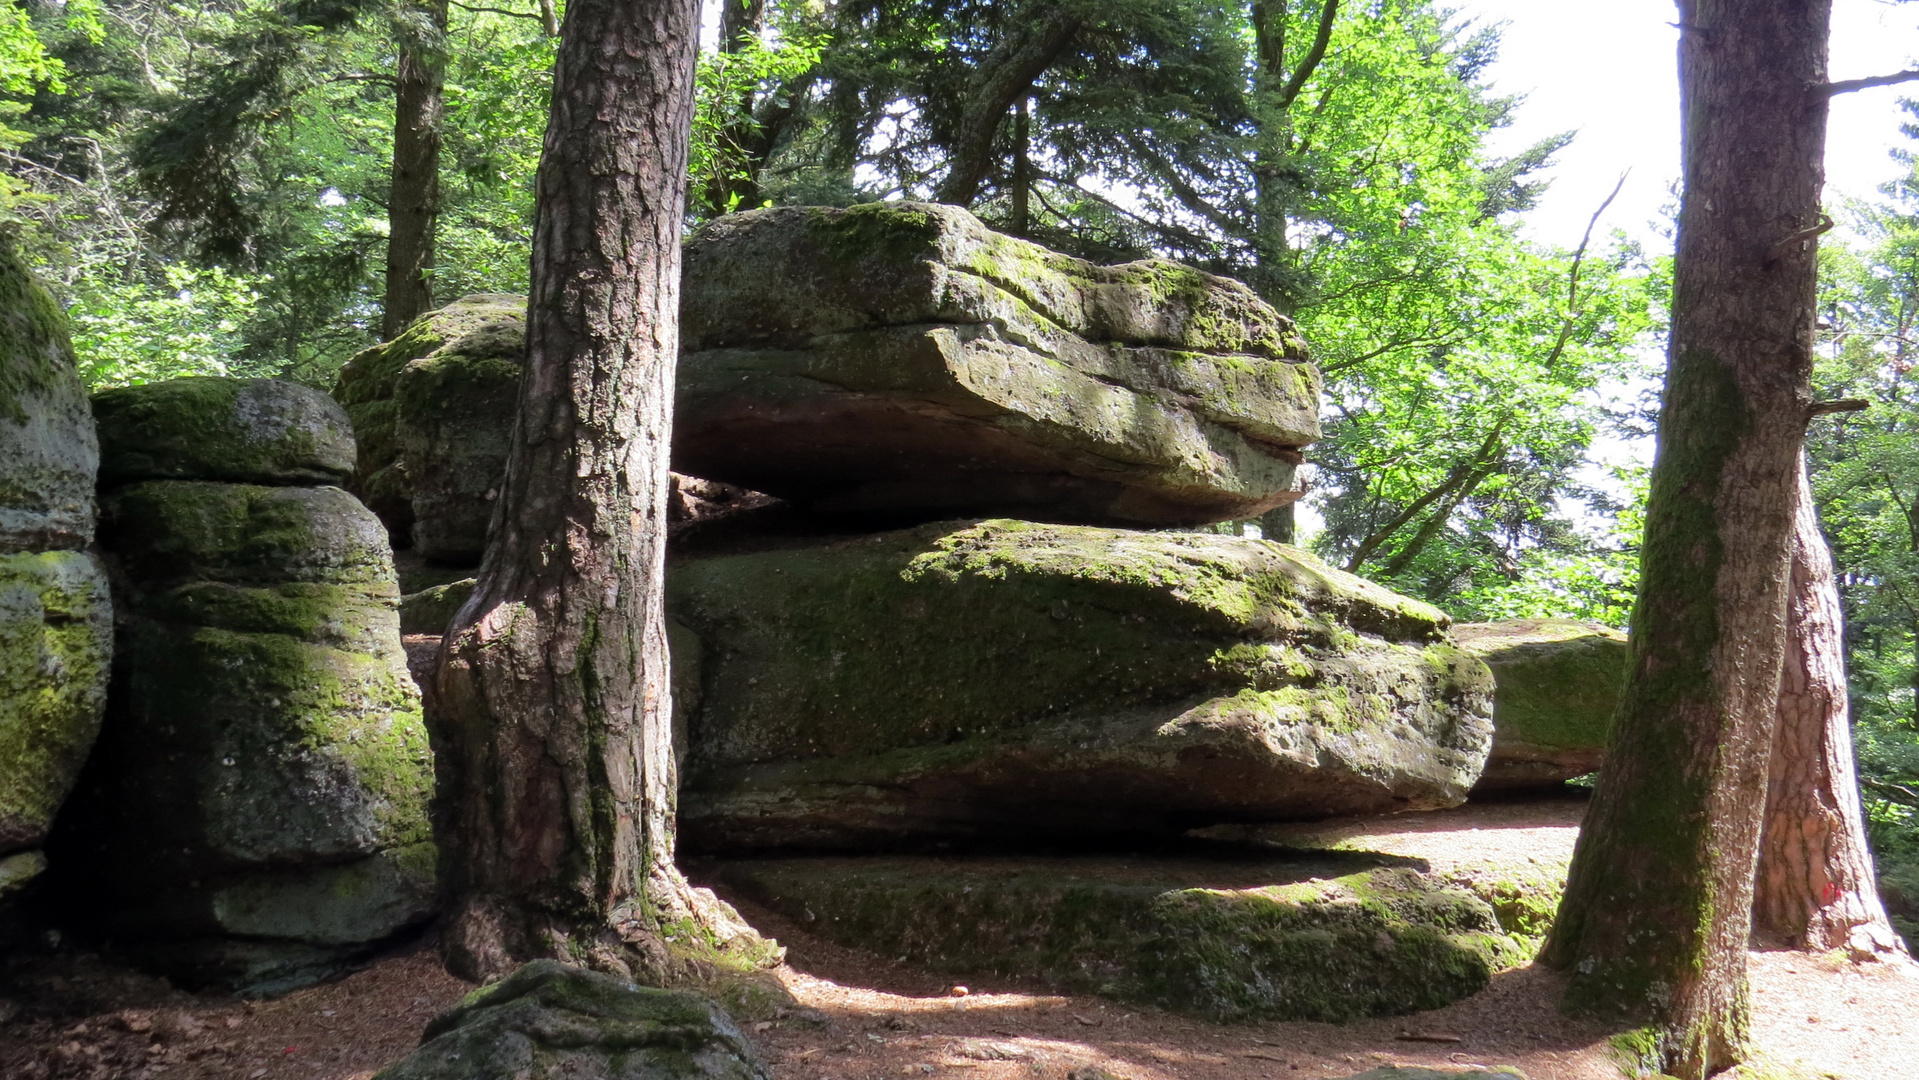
x=413 y=201
x=1816 y=887
x=552 y=729
x=1658 y=906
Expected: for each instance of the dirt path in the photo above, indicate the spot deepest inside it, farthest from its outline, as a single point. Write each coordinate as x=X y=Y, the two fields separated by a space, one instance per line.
x=66 y=1015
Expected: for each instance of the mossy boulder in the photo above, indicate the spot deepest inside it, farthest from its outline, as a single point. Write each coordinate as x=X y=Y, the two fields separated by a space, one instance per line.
x=1013 y=679
x=1558 y=683
x=1224 y=936
x=550 y=1021
x=48 y=453
x=901 y=360
x=263 y=738
x=249 y=431
x=486 y=328
x=56 y=643
x=431 y=609
x=455 y=415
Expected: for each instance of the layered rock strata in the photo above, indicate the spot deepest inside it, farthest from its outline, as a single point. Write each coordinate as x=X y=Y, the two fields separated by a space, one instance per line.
x=1007 y=680
x=900 y=360
x=254 y=815
x=56 y=620
x=1557 y=685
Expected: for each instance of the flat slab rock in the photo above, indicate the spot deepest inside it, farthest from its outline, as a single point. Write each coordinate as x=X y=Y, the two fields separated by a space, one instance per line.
x=900 y=359
x=1224 y=934
x=1005 y=679
x=1557 y=684
x=550 y=1021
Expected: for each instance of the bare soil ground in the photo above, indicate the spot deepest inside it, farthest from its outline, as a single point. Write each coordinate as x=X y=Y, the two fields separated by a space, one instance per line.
x=70 y=1015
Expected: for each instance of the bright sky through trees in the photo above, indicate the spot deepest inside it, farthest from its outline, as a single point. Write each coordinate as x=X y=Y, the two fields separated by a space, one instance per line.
x=1609 y=72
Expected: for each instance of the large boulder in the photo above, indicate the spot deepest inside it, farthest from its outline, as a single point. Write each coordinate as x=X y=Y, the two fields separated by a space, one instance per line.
x=56 y=641
x=56 y=621
x=47 y=450
x=482 y=331
x=1013 y=680
x=901 y=360
x=1228 y=936
x=456 y=409
x=549 y=1021
x=1557 y=685
x=246 y=431
x=254 y=815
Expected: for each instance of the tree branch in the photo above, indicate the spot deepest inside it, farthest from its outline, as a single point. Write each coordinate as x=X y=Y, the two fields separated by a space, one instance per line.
x=1314 y=55
x=1847 y=86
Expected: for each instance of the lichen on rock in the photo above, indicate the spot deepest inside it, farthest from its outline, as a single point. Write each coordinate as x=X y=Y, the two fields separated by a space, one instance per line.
x=248 y=431
x=1558 y=683
x=56 y=642
x=551 y=1021
x=48 y=452
x=1008 y=678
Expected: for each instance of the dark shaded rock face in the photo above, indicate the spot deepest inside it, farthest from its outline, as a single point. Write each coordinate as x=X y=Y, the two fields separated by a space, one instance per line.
x=1333 y=937
x=469 y=354
x=244 y=431
x=56 y=618
x=549 y=1021
x=1558 y=683
x=1007 y=679
x=901 y=360
x=255 y=812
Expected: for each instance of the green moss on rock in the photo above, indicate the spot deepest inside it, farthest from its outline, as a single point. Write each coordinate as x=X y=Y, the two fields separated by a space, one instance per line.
x=431 y=609
x=56 y=642
x=260 y=431
x=456 y=412
x=551 y=1021
x=172 y=531
x=1558 y=685
x=1228 y=939
x=48 y=453
x=957 y=678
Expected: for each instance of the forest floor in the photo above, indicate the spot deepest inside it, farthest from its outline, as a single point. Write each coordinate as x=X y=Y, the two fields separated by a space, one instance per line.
x=67 y=1014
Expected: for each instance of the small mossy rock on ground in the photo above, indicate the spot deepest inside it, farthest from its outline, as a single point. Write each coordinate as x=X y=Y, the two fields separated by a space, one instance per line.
x=56 y=649
x=247 y=431
x=1014 y=680
x=901 y=360
x=1228 y=938
x=1558 y=683
x=549 y=1021
x=255 y=811
x=48 y=453
x=485 y=326
x=431 y=609
x=455 y=411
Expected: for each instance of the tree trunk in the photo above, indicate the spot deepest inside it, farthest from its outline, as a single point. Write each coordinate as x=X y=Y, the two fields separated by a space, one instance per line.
x=1816 y=888
x=1005 y=76
x=1658 y=906
x=1020 y=223
x=413 y=201
x=554 y=744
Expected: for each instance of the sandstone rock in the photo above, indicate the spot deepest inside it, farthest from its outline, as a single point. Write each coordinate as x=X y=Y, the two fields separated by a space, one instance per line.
x=1228 y=937
x=483 y=327
x=548 y=1021
x=431 y=609
x=455 y=415
x=253 y=431
x=56 y=643
x=254 y=815
x=47 y=449
x=901 y=360
x=1558 y=682
x=1012 y=679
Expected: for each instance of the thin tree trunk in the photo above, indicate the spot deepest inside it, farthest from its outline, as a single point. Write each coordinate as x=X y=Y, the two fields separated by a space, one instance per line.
x=1816 y=887
x=413 y=201
x=554 y=746
x=1658 y=906
x=1021 y=221
x=1005 y=76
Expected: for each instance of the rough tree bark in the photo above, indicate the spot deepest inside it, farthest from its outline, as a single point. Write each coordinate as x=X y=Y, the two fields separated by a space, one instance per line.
x=413 y=201
x=1816 y=888
x=551 y=726
x=1658 y=905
